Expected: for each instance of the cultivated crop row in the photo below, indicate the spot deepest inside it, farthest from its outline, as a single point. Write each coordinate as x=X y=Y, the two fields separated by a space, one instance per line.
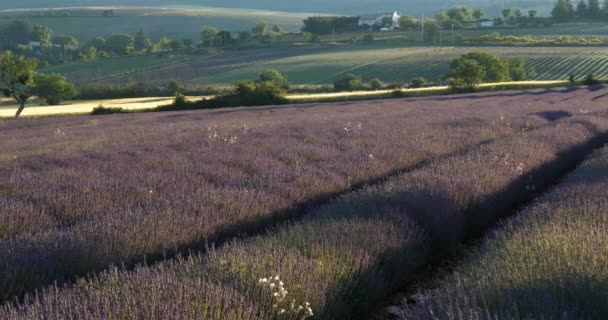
x=191 y=178
x=548 y=262
x=343 y=258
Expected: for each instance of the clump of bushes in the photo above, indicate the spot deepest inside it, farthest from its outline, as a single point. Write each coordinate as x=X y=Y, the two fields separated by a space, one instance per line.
x=591 y=80
x=349 y=82
x=101 y=110
x=53 y=88
x=141 y=89
x=474 y=68
x=269 y=88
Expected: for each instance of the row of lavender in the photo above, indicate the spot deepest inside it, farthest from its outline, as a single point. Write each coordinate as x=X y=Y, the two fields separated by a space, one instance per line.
x=549 y=262
x=343 y=258
x=188 y=178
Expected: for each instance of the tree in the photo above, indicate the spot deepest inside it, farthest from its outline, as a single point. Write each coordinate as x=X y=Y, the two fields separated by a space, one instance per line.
x=517 y=69
x=409 y=22
x=495 y=68
x=17 y=77
x=223 y=38
x=478 y=14
x=99 y=43
x=517 y=13
x=42 y=34
x=141 y=41
x=88 y=53
x=582 y=10
x=594 y=9
x=53 y=88
x=275 y=77
x=16 y=33
x=532 y=14
x=120 y=44
x=506 y=13
x=465 y=73
x=431 y=30
x=563 y=11
x=349 y=82
x=260 y=30
x=174 y=87
x=66 y=42
x=208 y=35
x=176 y=45
x=376 y=84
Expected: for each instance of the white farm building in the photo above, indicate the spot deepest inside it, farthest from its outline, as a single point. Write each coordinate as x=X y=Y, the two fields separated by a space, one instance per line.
x=377 y=20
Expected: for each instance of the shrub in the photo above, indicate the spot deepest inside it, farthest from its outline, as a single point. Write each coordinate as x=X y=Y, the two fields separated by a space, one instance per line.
x=376 y=84
x=54 y=88
x=349 y=82
x=591 y=80
x=465 y=75
x=101 y=110
x=420 y=83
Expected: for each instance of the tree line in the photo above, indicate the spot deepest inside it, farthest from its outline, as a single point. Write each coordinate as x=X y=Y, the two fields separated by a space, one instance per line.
x=583 y=10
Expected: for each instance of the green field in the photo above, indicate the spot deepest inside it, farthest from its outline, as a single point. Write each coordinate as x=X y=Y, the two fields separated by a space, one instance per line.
x=323 y=64
x=87 y=23
x=402 y=64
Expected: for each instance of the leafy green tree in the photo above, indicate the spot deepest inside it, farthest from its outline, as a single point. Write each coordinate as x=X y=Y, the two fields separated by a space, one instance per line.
x=176 y=45
x=260 y=29
x=277 y=33
x=99 y=43
x=16 y=33
x=53 y=88
x=563 y=11
x=506 y=13
x=187 y=43
x=495 y=68
x=88 y=53
x=517 y=13
x=65 y=41
x=376 y=84
x=431 y=30
x=533 y=13
x=207 y=35
x=42 y=34
x=594 y=9
x=409 y=22
x=141 y=41
x=461 y=14
x=174 y=87
x=465 y=74
x=120 y=44
x=478 y=14
x=517 y=69
x=275 y=77
x=582 y=10
x=17 y=78
x=163 y=44
x=349 y=82
x=223 y=38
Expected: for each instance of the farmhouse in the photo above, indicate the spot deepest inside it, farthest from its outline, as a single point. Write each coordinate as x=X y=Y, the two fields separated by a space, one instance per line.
x=485 y=23
x=380 y=20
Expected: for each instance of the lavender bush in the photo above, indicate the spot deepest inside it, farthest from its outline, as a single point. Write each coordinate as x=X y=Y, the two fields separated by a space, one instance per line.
x=97 y=191
x=344 y=257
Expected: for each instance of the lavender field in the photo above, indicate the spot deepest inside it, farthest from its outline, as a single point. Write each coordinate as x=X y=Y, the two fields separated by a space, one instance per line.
x=549 y=261
x=345 y=202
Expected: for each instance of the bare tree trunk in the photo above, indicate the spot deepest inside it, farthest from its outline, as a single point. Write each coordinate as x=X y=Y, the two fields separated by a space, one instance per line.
x=21 y=107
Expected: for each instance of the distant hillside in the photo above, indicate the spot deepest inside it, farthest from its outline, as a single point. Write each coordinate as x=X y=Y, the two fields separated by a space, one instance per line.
x=334 y=6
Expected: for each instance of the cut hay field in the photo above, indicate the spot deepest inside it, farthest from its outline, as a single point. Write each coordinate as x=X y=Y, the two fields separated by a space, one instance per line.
x=322 y=65
x=85 y=23
x=8 y=107
x=341 y=204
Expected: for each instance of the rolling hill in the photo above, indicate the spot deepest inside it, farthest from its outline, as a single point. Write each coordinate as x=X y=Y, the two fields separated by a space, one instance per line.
x=336 y=6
